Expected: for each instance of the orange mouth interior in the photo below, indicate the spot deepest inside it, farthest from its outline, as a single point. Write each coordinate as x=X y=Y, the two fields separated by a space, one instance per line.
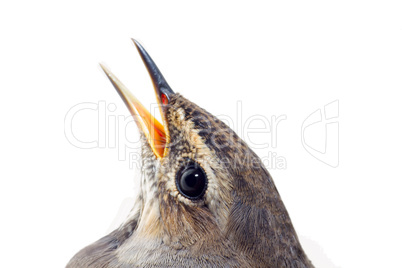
x=153 y=130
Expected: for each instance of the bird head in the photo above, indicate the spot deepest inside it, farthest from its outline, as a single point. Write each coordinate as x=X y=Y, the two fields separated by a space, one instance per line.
x=205 y=196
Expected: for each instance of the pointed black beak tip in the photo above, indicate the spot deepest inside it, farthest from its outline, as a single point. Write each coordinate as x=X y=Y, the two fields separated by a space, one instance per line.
x=137 y=45
x=160 y=84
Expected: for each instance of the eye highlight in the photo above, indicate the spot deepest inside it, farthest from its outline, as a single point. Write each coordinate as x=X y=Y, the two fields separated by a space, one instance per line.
x=191 y=180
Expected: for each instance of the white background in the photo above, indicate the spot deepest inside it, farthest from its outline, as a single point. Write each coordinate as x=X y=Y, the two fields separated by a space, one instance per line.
x=279 y=58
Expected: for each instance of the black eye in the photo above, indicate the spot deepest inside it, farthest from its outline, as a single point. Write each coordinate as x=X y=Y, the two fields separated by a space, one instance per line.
x=191 y=181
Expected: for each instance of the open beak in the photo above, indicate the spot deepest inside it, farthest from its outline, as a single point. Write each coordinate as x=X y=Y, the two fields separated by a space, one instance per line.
x=156 y=133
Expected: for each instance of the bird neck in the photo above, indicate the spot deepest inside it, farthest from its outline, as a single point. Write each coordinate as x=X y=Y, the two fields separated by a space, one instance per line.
x=259 y=224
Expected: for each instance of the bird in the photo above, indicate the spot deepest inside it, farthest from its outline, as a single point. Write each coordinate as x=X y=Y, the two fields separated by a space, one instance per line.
x=205 y=199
